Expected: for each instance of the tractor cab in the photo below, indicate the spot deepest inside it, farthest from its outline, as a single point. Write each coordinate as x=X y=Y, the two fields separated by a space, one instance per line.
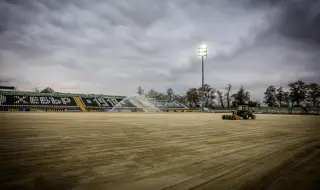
x=244 y=107
x=244 y=112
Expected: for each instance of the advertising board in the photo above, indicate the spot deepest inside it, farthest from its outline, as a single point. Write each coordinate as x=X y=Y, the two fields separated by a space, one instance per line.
x=189 y=110
x=104 y=102
x=33 y=101
x=125 y=110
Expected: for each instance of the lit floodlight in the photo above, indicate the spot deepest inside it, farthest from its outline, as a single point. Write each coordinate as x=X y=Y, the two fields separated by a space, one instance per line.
x=203 y=46
x=202 y=51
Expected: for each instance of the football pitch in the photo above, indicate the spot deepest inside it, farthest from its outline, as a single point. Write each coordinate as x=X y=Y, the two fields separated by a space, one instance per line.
x=142 y=151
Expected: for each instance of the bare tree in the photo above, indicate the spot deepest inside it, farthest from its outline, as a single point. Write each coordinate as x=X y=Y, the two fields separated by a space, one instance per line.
x=192 y=97
x=228 y=95
x=140 y=91
x=241 y=97
x=156 y=95
x=286 y=98
x=220 y=97
x=153 y=94
x=180 y=99
x=209 y=95
x=270 y=96
x=279 y=95
x=313 y=96
x=298 y=91
x=170 y=94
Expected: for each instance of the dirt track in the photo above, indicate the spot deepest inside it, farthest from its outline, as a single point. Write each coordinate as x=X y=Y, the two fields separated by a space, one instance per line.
x=158 y=151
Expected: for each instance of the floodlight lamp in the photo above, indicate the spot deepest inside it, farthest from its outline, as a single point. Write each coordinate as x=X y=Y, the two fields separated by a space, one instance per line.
x=203 y=46
x=202 y=51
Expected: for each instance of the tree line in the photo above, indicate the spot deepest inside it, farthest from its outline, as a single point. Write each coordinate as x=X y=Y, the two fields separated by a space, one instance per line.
x=295 y=94
x=298 y=94
x=212 y=97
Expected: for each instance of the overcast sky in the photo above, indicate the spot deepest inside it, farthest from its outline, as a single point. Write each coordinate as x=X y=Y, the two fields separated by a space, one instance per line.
x=114 y=46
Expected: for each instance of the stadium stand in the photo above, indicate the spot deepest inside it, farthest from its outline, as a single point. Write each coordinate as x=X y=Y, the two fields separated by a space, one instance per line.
x=168 y=105
x=36 y=101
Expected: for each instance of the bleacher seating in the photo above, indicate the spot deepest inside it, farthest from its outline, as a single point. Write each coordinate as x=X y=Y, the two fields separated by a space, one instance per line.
x=59 y=94
x=70 y=101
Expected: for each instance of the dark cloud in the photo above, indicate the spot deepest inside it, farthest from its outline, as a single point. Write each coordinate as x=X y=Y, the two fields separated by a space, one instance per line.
x=293 y=27
x=298 y=20
x=6 y=80
x=114 y=46
x=13 y=81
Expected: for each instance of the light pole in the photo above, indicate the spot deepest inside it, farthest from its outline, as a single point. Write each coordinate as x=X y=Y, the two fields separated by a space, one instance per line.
x=202 y=52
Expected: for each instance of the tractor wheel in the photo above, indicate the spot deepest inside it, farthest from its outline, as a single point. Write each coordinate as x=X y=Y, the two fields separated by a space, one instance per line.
x=223 y=116
x=245 y=116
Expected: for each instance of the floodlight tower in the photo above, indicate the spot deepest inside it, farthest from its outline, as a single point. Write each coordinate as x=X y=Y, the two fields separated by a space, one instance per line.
x=202 y=52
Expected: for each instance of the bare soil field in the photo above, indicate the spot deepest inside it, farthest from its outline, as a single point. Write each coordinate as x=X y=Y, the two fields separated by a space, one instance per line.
x=140 y=151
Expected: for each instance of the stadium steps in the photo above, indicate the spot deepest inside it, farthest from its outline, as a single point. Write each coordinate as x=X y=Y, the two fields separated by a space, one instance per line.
x=80 y=103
